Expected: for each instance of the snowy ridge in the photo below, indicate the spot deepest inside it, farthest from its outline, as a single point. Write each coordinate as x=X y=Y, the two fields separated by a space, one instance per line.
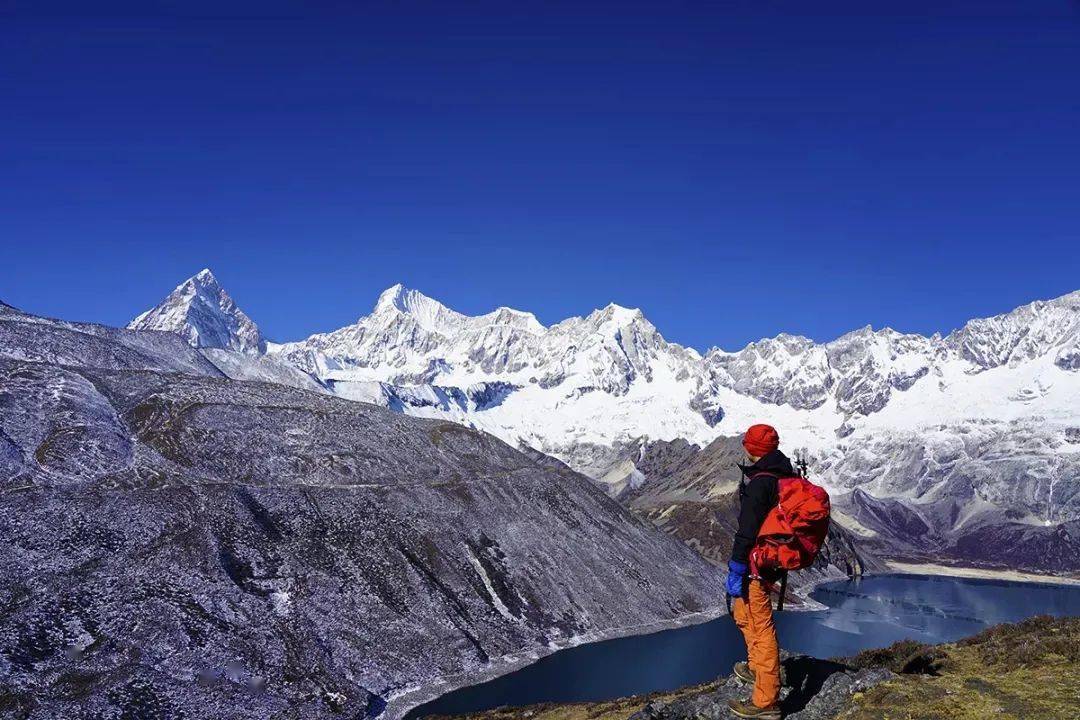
x=611 y=376
x=435 y=317
x=1021 y=335
x=410 y=339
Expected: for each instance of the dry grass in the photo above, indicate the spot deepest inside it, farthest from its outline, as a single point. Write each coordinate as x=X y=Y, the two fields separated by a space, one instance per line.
x=906 y=657
x=1020 y=671
x=1028 y=642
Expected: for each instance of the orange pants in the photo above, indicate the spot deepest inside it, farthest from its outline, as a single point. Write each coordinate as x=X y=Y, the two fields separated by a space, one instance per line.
x=754 y=618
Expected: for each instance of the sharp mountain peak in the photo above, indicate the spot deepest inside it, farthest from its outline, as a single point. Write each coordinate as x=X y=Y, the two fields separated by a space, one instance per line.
x=206 y=316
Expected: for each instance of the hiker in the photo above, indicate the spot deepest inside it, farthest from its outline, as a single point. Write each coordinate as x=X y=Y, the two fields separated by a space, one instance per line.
x=751 y=606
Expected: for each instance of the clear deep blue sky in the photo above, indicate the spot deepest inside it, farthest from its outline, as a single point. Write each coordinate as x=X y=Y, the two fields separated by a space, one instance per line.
x=733 y=168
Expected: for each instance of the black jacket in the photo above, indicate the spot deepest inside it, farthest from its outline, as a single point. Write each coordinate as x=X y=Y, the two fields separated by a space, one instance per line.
x=757 y=496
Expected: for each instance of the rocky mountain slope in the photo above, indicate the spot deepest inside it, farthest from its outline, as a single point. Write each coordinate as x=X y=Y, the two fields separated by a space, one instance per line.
x=974 y=436
x=692 y=494
x=179 y=544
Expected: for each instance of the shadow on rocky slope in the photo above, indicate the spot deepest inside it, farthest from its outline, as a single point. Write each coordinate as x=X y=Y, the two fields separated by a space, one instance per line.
x=691 y=493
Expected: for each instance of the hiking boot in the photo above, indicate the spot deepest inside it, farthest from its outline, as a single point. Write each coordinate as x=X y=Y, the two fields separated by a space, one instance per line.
x=743 y=672
x=747 y=709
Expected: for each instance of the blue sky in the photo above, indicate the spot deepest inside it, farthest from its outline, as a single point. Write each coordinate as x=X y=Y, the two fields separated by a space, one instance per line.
x=733 y=168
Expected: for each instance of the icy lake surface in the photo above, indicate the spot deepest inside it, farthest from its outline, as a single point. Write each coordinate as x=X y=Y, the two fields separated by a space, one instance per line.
x=867 y=613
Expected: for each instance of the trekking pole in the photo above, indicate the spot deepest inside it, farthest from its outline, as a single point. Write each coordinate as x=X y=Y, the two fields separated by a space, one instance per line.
x=783 y=591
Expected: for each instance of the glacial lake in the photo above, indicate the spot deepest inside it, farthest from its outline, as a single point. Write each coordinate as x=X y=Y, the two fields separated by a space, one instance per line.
x=864 y=613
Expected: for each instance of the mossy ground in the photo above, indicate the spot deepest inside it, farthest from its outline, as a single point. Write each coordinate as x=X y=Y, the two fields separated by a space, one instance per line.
x=1028 y=670
x=1023 y=671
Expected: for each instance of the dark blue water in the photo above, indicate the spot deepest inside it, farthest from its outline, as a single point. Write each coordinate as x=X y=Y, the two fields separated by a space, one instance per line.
x=866 y=613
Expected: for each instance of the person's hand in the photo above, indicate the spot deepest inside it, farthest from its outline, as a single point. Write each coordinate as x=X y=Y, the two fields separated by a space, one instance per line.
x=736 y=578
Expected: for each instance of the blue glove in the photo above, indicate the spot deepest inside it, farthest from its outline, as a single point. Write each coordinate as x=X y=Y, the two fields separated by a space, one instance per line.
x=735 y=578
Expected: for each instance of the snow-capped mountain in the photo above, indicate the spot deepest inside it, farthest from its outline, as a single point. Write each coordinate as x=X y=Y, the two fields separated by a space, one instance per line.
x=202 y=312
x=588 y=388
x=586 y=379
x=1027 y=333
x=857 y=372
x=410 y=339
x=611 y=377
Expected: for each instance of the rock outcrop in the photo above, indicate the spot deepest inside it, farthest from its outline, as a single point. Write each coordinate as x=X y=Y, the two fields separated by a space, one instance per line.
x=816 y=690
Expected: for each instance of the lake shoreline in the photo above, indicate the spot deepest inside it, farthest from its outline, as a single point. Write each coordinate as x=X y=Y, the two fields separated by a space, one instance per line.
x=920 y=605
x=407 y=700
x=968 y=680
x=404 y=702
x=961 y=571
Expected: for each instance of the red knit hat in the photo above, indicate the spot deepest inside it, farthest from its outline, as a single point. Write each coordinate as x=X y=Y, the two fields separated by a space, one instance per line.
x=761 y=440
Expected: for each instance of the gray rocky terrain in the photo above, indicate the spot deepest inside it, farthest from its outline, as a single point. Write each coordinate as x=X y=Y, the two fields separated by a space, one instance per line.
x=692 y=494
x=179 y=544
x=820 y=690
x=972 y=495
x=999 y=494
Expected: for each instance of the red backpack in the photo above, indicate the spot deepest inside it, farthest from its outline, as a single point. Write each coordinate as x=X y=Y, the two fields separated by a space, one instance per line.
x=793 y=531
